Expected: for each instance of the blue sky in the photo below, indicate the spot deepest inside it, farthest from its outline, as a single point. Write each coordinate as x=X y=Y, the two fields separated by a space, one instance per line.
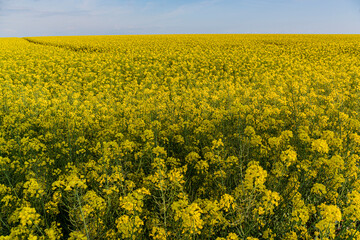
x=19 y=18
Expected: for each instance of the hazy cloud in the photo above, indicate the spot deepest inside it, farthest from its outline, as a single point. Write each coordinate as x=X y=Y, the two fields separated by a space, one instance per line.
x=78 y=17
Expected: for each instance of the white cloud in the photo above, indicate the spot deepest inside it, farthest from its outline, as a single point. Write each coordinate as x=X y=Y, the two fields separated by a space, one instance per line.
x=78 y=17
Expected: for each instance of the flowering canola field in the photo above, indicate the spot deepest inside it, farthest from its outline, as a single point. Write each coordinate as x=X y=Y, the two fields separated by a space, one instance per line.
x=180 y=137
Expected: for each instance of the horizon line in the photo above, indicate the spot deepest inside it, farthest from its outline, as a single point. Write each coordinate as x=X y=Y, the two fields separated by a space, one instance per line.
x=158 y=34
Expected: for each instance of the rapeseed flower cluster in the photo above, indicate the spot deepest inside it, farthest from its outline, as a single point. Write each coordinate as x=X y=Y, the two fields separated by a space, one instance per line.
x=180 y=137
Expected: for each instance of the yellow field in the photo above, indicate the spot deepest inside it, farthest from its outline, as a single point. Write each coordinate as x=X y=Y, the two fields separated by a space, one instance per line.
x=180 y=137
